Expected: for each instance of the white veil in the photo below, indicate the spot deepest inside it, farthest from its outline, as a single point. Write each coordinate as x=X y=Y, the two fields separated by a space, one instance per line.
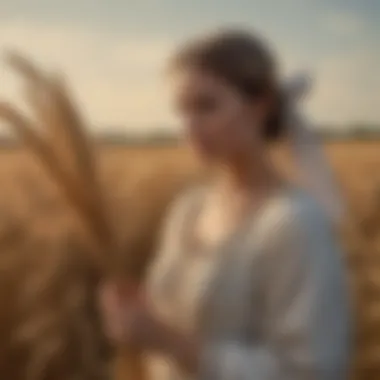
x=307 y=153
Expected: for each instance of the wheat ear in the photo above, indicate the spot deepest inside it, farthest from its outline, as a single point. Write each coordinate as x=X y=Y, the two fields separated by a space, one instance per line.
x=59 y=119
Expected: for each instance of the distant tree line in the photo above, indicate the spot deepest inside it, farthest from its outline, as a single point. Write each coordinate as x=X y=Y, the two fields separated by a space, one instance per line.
x=161 y=137
x=358 y=131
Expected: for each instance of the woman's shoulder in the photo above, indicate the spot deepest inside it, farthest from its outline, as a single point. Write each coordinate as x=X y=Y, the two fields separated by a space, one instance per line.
x=296 y=211
x=293 y=229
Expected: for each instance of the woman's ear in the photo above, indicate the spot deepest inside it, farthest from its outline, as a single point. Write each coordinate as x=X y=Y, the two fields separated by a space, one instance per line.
x=262 y=108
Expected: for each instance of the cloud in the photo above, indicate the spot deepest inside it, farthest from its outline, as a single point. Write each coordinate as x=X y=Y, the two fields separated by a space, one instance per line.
x=116 y=78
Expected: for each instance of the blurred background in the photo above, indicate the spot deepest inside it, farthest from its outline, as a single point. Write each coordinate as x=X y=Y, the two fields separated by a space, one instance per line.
x=113 y=54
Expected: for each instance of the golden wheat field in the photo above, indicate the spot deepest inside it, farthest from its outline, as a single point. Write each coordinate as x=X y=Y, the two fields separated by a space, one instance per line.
x=48 y=321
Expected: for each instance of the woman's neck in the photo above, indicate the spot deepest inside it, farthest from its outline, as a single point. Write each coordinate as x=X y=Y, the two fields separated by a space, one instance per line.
x=249 y=176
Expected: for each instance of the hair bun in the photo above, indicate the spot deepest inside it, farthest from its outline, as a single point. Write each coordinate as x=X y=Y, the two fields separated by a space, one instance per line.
x=275 y=127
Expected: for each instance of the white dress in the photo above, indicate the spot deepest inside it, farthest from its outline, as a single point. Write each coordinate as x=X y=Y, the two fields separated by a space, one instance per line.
x=270 y=303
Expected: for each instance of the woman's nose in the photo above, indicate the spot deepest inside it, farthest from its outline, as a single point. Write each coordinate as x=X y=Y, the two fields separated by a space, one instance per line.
x=193 y=125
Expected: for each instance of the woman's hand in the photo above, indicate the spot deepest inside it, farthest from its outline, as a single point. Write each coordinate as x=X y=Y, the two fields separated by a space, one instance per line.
x=126 y=318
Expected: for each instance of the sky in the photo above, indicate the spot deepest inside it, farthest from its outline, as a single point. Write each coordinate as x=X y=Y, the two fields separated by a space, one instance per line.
x=114 y=51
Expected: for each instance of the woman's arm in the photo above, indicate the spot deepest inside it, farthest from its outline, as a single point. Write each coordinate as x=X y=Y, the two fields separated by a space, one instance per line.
x=135 y=317
x=306 y=324
x=306 y=312
x=161 y=276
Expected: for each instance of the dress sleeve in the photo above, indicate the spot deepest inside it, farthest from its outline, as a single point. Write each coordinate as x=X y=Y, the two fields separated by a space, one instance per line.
x=306 y=333
x=163 y=271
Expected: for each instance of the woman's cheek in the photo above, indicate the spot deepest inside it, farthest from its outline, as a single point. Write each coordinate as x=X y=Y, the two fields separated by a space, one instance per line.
x=227 y=133
x=201 y=141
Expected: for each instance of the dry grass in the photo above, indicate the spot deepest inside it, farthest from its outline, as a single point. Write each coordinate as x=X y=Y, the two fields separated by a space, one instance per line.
x=48 y=324
x=100 y=217
x=48 y=321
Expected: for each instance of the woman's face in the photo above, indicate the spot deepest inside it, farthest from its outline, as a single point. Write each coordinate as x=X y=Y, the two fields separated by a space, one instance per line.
x=219 y=122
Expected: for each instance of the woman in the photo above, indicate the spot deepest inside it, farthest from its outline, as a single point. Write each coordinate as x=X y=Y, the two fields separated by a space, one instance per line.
x=249 y=282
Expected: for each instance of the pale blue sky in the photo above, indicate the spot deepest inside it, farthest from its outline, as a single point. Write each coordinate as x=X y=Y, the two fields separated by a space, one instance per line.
x=113 y=50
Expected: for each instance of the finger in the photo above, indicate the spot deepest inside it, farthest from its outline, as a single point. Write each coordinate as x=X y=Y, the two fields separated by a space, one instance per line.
x=120 y=325
x=129 y=291
x=115 y=330
x=108 y=297
x=116 y=305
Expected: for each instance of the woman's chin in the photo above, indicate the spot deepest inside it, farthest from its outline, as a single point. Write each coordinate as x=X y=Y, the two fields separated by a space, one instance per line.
x=205 y=154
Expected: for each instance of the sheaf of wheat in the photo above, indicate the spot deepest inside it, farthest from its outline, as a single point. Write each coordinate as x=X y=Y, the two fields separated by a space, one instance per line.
x=56 y=134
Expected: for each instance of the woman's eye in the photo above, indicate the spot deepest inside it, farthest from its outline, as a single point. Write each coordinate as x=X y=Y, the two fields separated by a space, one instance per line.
x=205 y=104
x=198 y=105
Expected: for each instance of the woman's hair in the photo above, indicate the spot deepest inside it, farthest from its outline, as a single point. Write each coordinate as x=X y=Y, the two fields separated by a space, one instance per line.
x=244 y=61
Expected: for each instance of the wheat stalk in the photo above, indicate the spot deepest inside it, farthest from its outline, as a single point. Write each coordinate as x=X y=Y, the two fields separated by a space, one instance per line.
x=73 y=166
